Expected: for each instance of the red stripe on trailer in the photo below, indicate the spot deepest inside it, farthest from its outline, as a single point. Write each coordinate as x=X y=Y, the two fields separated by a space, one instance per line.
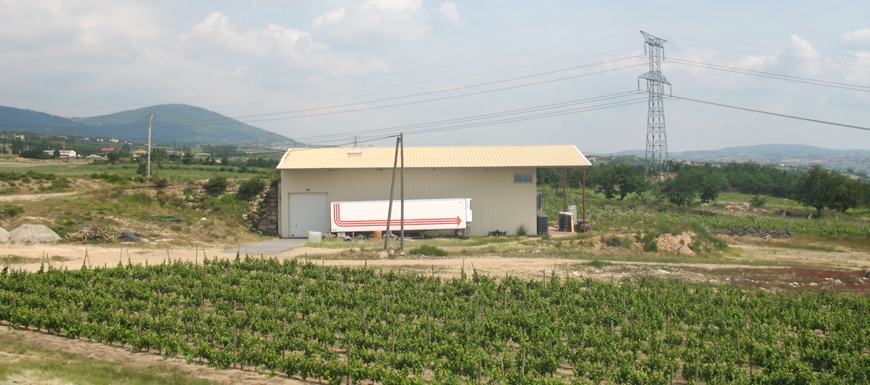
x=393 y=222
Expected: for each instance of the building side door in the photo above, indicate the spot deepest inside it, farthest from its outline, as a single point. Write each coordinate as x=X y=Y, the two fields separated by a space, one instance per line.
x=308 y=212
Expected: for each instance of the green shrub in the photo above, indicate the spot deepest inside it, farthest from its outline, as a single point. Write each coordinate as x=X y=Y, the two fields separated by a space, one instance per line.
x=216 y=186
x=649 y=242
x=251 y=188
x=138 y=199
x=598 y=264
x=757 y=201
x=160 y=183
x=10 y=211
x=224 y=204
x=429 y=250
x=614 y=241
x=522 y=231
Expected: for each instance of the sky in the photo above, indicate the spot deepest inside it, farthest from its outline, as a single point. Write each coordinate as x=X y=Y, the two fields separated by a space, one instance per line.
x=454 y=73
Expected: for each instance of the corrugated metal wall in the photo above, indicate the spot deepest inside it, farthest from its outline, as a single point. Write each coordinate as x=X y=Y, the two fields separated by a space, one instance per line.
x=497 y=202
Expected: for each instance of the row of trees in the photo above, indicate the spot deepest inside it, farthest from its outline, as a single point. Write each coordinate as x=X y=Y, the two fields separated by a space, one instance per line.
x=817 y=188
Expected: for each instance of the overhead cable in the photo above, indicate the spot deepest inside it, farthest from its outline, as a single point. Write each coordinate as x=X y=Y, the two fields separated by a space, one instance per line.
x=770 y=75
x=773 y=113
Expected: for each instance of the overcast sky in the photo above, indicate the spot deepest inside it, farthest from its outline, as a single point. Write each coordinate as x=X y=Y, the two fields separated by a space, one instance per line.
x=307 y=69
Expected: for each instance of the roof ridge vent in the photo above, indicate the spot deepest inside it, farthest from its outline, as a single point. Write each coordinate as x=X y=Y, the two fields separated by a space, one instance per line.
x=354 y=152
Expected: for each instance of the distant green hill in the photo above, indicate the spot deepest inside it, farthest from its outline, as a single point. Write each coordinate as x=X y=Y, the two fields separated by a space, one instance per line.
x=16 y=119
x=173 y=124
x=777 y=150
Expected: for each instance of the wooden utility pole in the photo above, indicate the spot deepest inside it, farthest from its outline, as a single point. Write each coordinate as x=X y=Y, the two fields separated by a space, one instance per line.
x=392 y=188
x=148 y=167
x=402 y=196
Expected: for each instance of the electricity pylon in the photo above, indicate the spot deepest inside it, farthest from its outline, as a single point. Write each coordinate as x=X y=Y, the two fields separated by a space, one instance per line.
x=656 y=135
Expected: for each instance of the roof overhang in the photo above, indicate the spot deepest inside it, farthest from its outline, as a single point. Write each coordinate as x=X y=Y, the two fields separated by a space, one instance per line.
x=434 y=157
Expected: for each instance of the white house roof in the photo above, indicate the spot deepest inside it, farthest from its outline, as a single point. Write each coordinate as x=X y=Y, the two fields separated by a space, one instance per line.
x=434 y=157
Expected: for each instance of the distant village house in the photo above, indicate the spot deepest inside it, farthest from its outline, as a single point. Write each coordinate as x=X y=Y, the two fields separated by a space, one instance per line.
x=62 y=153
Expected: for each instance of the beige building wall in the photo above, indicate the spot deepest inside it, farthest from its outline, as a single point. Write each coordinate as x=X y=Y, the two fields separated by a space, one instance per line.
x=497 y=203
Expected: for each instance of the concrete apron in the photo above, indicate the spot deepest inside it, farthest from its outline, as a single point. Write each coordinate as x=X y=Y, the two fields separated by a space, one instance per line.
x=267 y=248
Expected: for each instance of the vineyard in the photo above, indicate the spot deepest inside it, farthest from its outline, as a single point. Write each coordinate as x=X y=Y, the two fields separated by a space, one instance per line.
x=360 y=325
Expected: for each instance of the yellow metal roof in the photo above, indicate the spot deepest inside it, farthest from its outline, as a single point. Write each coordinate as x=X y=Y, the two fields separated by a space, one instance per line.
x=434 y=157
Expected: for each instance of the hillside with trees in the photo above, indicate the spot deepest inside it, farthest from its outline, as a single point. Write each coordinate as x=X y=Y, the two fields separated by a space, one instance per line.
x=173 y=124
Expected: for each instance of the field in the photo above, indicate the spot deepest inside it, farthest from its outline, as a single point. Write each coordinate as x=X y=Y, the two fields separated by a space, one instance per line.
x=359 y=324
x=654 y=294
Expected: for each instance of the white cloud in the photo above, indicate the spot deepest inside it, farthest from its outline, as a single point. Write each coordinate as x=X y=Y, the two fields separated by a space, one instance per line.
x=802 y=48
x=757 y=61
x=859 y=36
x=332 y=16
x=393 y=19
x=217 y=32
x=448 y=10
x=809 y=59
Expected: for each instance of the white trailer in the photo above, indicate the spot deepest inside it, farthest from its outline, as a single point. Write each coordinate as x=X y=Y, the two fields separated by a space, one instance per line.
x=420 y=214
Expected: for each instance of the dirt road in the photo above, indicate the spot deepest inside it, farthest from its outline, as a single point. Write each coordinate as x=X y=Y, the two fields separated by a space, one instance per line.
x=750 y=260
x=34 y=197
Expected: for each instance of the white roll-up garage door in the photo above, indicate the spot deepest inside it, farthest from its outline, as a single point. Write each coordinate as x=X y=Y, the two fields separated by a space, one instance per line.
x=308 y=212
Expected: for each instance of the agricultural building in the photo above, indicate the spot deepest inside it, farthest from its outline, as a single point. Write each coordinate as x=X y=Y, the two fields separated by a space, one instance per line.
x=499 y=180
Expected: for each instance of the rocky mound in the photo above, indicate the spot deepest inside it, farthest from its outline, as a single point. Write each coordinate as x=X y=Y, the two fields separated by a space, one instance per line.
x=677 y=243
x=33 y=234
x=4 y=235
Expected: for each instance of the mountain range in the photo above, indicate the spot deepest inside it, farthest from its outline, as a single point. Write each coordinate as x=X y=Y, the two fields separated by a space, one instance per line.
x=765 y=150
x=172 y=124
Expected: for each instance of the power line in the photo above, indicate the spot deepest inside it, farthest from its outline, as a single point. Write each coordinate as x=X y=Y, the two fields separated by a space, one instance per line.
x=396 y=73
x=771 y=75
x=442 y=98
x=424 y=82
x=455 y=89
x=767 y=54
x=774 y=113
x=475 y=117
x=763 y=46
x=424 y=130
x=216 y=121
x=539 y=116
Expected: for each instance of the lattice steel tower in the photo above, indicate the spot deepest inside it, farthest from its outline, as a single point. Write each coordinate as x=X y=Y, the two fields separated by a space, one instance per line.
x=656 y=135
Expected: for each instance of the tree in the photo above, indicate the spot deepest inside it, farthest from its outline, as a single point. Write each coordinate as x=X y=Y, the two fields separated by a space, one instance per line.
x=681 y=190
x=17 y=145
x=630 y=179
x=606 y=178
x=847 y=194
x=706 y=181
x=711 y=182
x=113 y=157
x=816 y=188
